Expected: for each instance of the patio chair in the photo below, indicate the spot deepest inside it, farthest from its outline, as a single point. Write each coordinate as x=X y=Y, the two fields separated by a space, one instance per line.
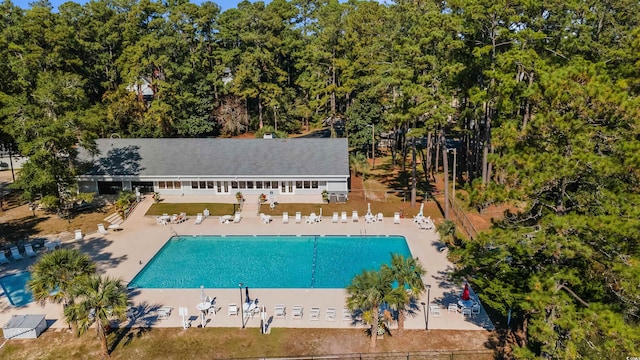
x=331 y=314
x=343 y=216
x=28 y=249
x=346 y=314
x=354 y=216
x=265 y=218
x=342 y=198
x=3 y=258
x=298 y=217
x=102 y=230
x=296 y=312
x=79 y=235
x=15 y=253
x=237 y=218
x=181 y=218
x=280 y=311
x=452 y=307
x=164 y=312
x=475 y=309
x=314 y=314
x=285 y=217
x=334 y=219
x=435 y=310
x=233 y=310
x=466 y=311
x=199 y=218
x=396 y=218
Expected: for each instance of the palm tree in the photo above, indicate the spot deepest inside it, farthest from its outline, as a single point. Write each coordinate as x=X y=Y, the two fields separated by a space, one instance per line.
x=55 y=273
x=408 y=273
x=97 y=300
x=358 y=163
x=367 y=292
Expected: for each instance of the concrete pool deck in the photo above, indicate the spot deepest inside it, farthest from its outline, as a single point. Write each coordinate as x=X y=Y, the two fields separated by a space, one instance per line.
x=122 y=254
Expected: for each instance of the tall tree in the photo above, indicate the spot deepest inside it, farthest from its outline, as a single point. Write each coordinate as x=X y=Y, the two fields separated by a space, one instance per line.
x=98 y=300
x=407 y=273
x=367 y=291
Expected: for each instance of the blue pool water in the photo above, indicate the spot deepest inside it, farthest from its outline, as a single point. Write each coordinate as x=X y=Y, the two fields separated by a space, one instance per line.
x=266 y=261
x=15 y=288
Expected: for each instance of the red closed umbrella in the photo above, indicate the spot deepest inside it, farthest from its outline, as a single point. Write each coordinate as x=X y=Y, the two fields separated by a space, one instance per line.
x=465 y=293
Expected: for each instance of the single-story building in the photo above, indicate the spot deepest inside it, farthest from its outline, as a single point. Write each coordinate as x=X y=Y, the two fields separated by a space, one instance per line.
x=217 y=166
x=24 y=327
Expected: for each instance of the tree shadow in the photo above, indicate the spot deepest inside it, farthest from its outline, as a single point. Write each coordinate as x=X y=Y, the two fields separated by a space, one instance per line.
x=118 y=161
x=141 y=324
x=15 y=230
x=95 y=246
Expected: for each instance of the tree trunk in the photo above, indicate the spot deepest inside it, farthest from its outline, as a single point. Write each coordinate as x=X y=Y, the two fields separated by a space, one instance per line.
x=414 y=177
x=445 y=165
x=401 y=320
x=374 y=328
x=103 y=338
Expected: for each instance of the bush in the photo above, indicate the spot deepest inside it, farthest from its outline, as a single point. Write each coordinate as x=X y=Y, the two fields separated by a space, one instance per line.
x=50 y=203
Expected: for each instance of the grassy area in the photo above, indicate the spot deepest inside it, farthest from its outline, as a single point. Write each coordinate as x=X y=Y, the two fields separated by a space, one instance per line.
x=217 y=343
x=215 y=209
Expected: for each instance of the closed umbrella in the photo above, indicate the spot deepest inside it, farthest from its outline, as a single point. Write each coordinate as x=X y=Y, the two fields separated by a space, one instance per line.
x=246 y=293
x=465 y=293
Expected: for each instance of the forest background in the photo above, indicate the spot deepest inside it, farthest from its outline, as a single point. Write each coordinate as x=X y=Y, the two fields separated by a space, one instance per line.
x=541 y=98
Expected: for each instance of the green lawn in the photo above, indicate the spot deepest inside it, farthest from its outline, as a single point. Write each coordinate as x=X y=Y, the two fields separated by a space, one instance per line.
x=215 y=209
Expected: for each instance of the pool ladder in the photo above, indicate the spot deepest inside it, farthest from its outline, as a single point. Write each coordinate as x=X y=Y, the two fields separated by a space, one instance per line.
x=173 y=232
x=313 y=266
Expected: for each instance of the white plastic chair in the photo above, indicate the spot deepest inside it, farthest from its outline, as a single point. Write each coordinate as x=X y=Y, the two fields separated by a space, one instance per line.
x=343 y=216
x=314 y=314
x=354 y=216
x=15 y=253
x=296 y=312
x=285 y=217
x=233 y=310
x=452 y=307
x=199 y=218
x=466 y=311
x=280 y=311
x=298 y=217
x=396 y=218
x=331 y=314
x=435 y=310
x=334 y=219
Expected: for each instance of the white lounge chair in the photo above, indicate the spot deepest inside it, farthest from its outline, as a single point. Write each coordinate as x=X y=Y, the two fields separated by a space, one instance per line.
x=314 y=314
x=298 y=217
x=396 y=218
x=296 y=312
x=15 y=253
x=237 y=218
x=435 y=310
x=28 y=249
x=206 y=213
x=331 y=314
x=280 y=311
x=343 y=216
x=452 y=307
x=3 y=258
x=233 y=310
x=79 y=235
x=466 y=311
x=354 y=216
x=380 y=217
x=334 y=219
x=199 y=218
x=285 y=217
x=164 y=312
x=102 y=230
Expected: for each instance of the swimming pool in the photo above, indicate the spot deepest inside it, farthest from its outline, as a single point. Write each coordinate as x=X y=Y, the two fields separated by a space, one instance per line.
x=15 y=289
x=266 y=261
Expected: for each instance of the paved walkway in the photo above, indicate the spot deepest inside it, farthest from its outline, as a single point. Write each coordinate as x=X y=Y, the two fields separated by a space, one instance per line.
x=122 y=254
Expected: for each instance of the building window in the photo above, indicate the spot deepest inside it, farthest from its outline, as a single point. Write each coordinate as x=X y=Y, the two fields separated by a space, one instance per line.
x=258 y=184
x=162 y=185
x=314 y=184
x=234 y=184
x=210 y=185
x=274 y=184
x=307 y=184
x=298 y=184
x=203 y=184
x=243 y=184
x=249 y=184
x=194 y=184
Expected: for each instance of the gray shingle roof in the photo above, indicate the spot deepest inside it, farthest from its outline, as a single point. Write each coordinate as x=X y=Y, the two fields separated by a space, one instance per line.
x=224 y=157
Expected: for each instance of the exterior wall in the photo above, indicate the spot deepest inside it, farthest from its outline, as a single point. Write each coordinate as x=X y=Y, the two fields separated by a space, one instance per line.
x=225 y=186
